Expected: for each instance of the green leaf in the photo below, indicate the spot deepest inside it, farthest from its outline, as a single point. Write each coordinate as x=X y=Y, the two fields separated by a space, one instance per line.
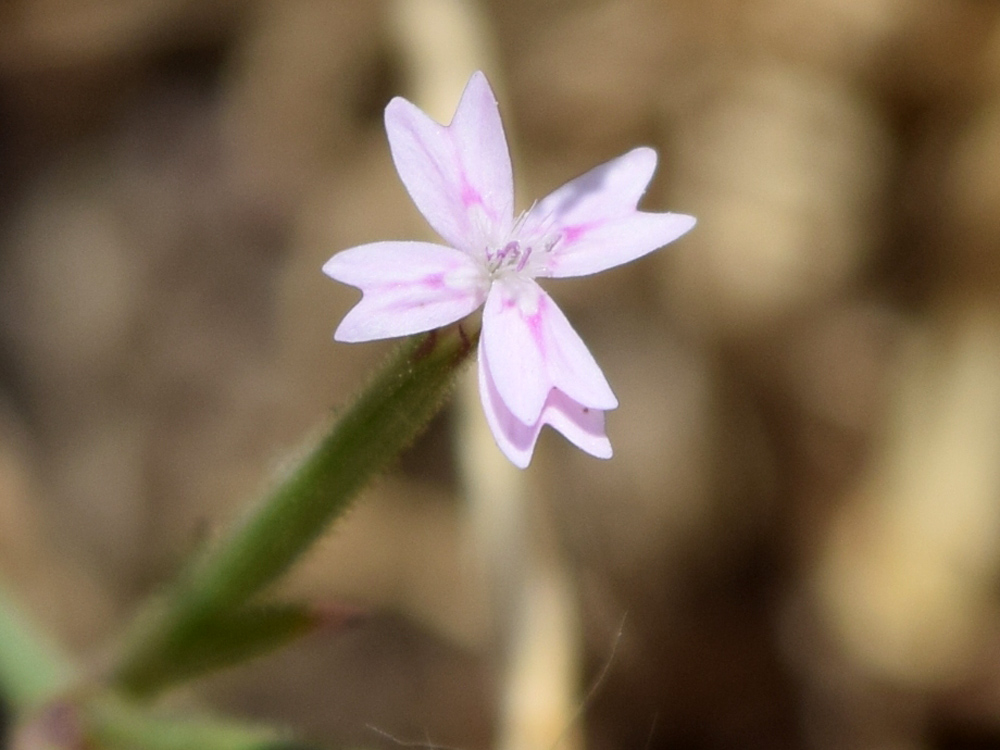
x=388 y=415
x=32 y=670
x=222 y=640
x=115 y=724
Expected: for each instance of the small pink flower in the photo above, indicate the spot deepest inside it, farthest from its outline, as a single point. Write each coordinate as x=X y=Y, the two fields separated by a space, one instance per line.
x=533 y=367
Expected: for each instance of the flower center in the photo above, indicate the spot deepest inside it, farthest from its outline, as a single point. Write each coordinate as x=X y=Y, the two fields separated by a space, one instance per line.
x=511 y=257
x=514 y=256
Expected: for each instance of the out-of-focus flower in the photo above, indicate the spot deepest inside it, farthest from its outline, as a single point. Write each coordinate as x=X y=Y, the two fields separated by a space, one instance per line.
x=533 y=367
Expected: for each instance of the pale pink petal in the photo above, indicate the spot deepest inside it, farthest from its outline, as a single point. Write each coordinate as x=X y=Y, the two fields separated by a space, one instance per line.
x=408 y=287
x=604 y=245
x=608 y=190
x=532 y=349
x=582 y=426
x=459 y=176
x=515 y=439
x=595 y=218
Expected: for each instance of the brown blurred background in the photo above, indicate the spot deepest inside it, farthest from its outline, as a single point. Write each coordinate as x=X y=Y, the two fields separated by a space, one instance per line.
x=801 y=525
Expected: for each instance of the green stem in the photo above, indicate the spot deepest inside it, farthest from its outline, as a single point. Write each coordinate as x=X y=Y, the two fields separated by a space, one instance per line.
x=117 y=725
x=387 y=416
x=32 y=670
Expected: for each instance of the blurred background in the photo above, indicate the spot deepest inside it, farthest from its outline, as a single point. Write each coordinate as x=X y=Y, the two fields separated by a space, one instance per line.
x=797 y=544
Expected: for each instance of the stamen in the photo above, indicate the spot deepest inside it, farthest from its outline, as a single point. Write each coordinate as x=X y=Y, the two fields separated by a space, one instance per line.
x=523 y=260
x=515 y=256
x=520 y=220
x=512 y=248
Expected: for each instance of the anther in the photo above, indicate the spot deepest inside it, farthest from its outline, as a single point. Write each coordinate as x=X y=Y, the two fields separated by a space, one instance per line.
x=523 y=260
x=512 y=248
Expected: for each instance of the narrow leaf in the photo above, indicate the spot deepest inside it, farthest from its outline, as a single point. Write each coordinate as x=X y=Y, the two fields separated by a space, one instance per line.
x=386 y=418
x=32 y=669
x=114 y=724
x=225 y=639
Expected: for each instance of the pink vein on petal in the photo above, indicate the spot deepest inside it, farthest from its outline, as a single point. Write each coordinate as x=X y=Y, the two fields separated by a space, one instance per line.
x=534 y=367
x=533 y=349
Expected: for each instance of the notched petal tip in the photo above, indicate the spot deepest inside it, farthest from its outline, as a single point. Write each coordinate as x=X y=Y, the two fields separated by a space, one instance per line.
x=581 y=425
x=346 y=334
x=479 y=84
x=685 y=222
x=458 y=175
x=643 y=158
x=533 y=348
x=358 y=327
x=334 y=267
x=407 y=287
x=515 y=439
x=399 y=112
